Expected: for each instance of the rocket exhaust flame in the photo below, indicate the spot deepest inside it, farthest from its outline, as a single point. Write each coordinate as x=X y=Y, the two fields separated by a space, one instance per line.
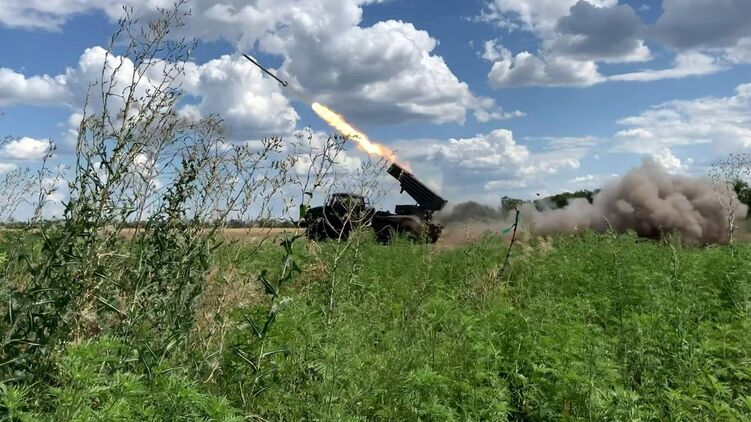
x=337 y=122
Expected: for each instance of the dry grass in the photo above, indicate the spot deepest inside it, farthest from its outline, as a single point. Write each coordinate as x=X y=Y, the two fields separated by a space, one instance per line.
x=255 y=233
x=234 y=234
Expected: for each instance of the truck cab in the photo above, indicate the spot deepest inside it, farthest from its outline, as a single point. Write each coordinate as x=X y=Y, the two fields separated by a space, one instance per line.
x=341 y=214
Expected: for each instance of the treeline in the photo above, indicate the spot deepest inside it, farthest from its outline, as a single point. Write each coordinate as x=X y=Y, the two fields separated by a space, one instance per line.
x=560 y=200
x=743 y=189
x=272 y=223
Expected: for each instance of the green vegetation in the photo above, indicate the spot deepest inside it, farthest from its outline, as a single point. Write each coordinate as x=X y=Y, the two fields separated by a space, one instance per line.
x=169 y=323
x=592 y=327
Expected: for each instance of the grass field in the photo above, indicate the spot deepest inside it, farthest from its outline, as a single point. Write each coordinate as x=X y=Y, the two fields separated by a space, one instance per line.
x=590 y=327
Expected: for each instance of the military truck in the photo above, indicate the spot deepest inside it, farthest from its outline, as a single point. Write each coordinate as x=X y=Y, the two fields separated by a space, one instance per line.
x=344 y=212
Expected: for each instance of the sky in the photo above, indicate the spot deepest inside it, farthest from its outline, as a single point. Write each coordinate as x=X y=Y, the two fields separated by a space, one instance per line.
x=483 y=98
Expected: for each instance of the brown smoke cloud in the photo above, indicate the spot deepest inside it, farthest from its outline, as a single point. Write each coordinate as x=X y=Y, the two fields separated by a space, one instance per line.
x=647 y=200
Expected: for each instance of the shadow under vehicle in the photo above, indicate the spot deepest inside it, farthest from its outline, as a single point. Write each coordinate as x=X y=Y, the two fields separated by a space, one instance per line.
x=344 y=212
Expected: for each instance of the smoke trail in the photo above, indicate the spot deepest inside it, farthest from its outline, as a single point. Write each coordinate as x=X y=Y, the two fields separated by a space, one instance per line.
x=650 y=202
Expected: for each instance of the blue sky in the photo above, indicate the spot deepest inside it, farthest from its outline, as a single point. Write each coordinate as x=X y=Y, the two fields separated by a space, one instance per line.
x=484 y=98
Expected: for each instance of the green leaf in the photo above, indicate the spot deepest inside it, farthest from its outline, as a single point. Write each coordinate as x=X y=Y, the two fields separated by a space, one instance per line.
x=253 y=326
x=304 y=210
x=267 y=286
x=267 y=325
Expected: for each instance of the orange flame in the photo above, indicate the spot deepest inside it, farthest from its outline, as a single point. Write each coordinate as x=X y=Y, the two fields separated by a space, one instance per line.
x=337 y=122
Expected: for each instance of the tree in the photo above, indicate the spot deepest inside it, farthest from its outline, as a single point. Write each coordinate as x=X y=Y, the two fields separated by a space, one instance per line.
x=730 y=177
x=743 y=190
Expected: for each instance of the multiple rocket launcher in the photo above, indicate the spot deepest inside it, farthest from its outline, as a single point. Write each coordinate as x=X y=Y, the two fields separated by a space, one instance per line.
x=428 y=201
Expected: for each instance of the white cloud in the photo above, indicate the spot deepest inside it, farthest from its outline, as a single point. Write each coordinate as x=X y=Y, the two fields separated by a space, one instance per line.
x=501 y=185
x=723 y=122
x=571 y=142
x=383 y=73
x=590 y=181
x=387 y=72
x=576 y=36
x=526 y=69
x=495 y=162
x=608 y=34
x=489 y=165
x=7 y=167
x=704 y=24
x=50 y=15
x=494 y=51
x=741 y=52
x=686 y=64
x=16 y=88
x=491 y=151
x=251 y=105
x=670 y=162
x=311 y=147
x=25 y=149
x=538 y=16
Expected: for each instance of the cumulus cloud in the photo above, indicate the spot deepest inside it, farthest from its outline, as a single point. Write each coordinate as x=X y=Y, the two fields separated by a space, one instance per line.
x=51 y=15
x=590 y=181
x=78 y=79
x=610 y=34
x=704 y=23
x=16 y=88
x=488 y=151
x=387 y=72
x=25 y=149
x=599 y=30
x=741 y=52
x=494 y=51
x=723 y=122
x=7 y=167
x=251 y=105
x=575 y=37
x=526 y=69
x=670 y=162
x=539 y=16
x=487 y=164
x=313 y=146
x=686 y=64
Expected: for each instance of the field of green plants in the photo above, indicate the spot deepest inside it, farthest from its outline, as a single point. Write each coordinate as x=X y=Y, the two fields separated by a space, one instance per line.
x=587 y=327
x=132 y=306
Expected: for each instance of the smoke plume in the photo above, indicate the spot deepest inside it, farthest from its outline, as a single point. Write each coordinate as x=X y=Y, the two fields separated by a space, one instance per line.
x=470 y=211
x=647 y=200
x=650 y=202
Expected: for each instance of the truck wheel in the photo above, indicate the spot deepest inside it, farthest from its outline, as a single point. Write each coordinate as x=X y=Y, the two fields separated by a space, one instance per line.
x=434 y=232
x=385 y=235
x=413 y=230
x=336 y=233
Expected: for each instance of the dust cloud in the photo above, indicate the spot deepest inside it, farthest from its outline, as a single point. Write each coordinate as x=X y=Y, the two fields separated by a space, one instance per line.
x=647 y=200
